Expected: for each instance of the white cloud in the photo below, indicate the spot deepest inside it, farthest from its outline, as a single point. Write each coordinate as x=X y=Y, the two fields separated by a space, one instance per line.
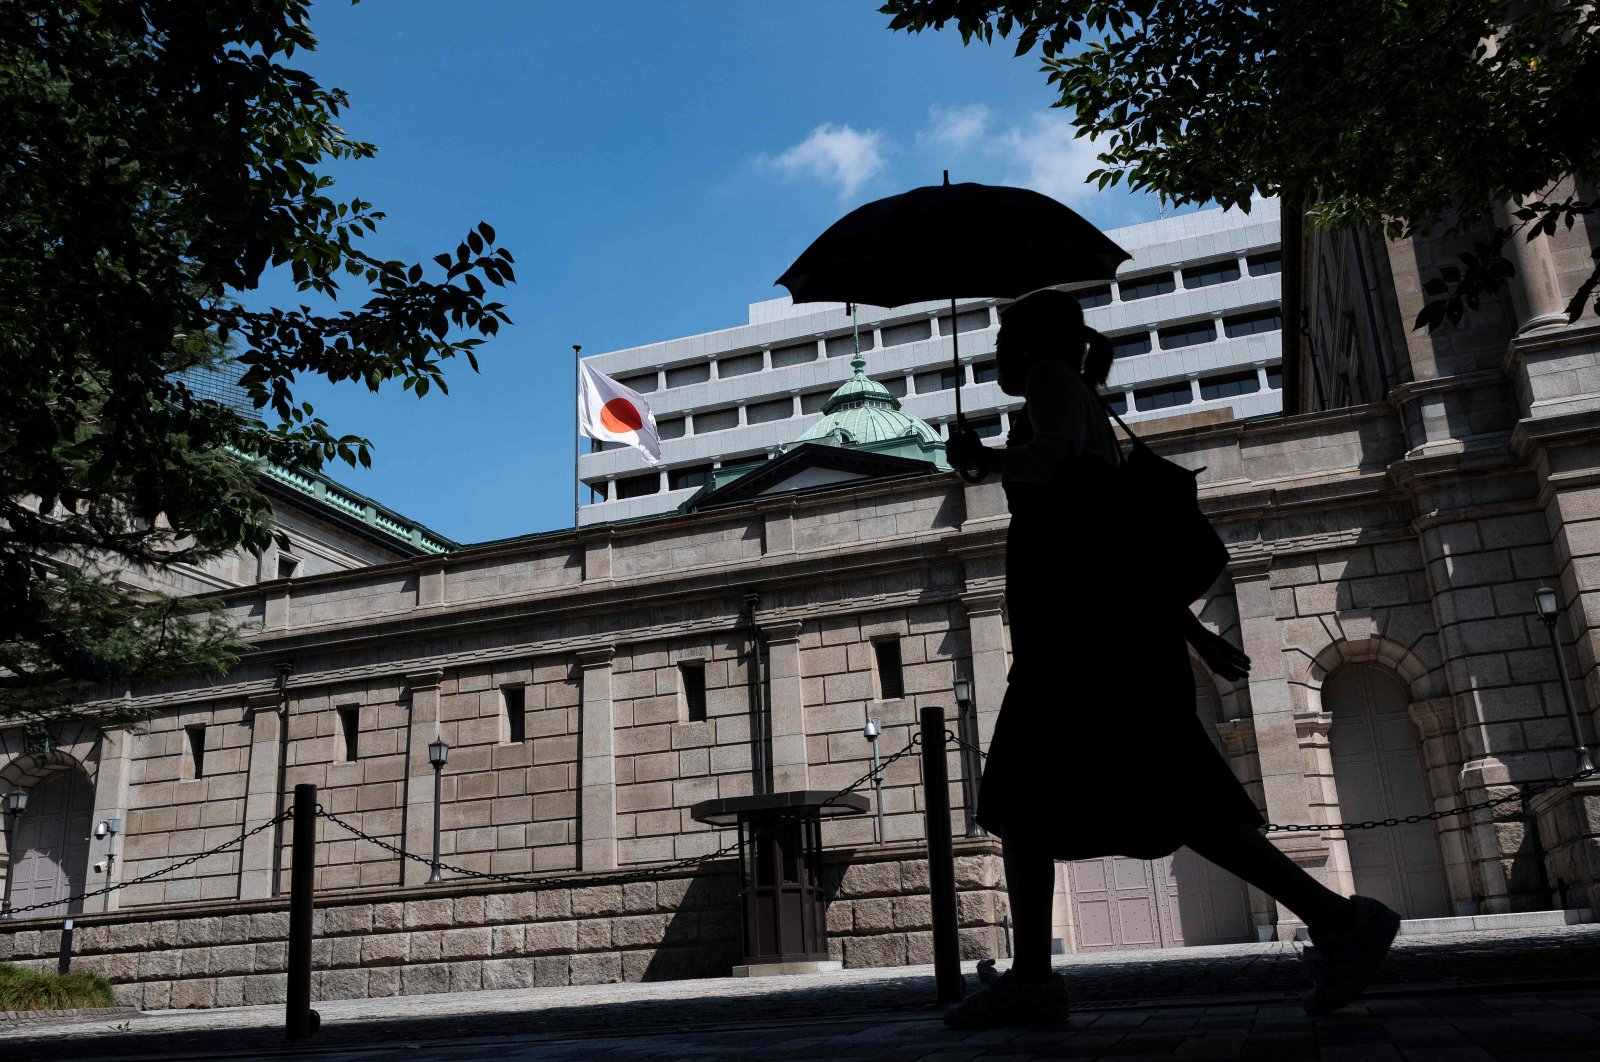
x=835 y=155
x=956 y=128
x=1043 y=154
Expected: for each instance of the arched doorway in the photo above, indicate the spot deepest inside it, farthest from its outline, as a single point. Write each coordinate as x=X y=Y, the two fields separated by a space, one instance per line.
x=1377 y=770
x=50 y=845
x=1120 y=903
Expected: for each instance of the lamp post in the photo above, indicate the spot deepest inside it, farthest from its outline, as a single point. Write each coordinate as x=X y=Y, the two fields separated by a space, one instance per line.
x=16 y=804
x=871 y=732
x=967 y=723
x=107 y=830
x=1548 y=605
x=438 y=754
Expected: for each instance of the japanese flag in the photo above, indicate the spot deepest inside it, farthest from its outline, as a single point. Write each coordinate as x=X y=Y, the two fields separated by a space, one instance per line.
x=609 y=411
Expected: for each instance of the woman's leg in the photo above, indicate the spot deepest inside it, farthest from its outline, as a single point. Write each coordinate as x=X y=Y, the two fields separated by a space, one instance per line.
x=1242 y=850
x=1030 y=884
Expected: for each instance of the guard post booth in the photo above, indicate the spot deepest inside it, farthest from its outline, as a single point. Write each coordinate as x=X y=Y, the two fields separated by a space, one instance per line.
x=784 y=910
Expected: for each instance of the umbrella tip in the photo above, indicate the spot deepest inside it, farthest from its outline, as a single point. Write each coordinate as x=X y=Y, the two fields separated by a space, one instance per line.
x=947 y=178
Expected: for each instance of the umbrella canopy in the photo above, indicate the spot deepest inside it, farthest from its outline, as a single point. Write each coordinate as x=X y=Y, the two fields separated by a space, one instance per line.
x=951 y=241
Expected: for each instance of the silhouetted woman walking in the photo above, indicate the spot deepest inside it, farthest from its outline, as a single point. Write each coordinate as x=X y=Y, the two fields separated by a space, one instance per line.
x=1097 y=749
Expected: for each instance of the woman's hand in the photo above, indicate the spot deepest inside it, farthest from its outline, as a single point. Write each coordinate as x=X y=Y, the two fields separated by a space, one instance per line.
x=1225 y=659
x=966 y=453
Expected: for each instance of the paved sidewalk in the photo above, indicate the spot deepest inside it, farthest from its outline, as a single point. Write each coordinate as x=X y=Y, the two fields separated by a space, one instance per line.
x=1511 y=996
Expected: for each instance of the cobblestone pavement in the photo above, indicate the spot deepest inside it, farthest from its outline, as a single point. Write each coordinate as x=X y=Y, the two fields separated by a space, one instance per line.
x=1512 y=996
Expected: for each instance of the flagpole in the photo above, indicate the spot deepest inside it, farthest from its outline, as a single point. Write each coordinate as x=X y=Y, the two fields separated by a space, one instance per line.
x=577 y=384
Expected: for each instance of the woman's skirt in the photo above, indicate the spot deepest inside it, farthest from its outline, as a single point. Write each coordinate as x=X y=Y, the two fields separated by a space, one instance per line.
x=1097 y=749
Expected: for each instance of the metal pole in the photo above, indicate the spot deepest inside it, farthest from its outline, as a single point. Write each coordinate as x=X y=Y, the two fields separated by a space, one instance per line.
x=1584 y=762
x=433 y=871
x=967 y=722
x=877 y=790
x=955 y=357
x=64 y=960
x=299 y=1020
x=577 y=431
x=941 y=859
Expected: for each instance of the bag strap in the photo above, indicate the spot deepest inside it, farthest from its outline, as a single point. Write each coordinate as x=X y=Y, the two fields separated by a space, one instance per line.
x=1138 y=443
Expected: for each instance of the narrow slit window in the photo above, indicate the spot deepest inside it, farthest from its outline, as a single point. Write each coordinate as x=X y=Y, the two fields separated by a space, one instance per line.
x=197 y=749
x=515 y=700
x=288 y=567
x=891 y=679
x=350 y=731
x=692 y=681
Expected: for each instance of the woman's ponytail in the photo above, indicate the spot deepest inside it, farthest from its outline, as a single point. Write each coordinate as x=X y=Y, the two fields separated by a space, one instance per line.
x=1097 y=358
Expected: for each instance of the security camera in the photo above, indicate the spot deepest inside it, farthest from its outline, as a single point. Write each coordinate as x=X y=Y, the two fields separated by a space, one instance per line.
x=100 y=832
x=100 y=868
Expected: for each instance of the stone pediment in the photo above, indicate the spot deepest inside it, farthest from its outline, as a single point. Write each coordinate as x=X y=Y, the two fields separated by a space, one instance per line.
x=809 y=466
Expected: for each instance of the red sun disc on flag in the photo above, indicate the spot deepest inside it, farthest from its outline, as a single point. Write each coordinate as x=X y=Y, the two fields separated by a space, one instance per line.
x=620 y=415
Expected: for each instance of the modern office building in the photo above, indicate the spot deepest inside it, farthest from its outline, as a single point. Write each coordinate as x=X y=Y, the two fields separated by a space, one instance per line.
x=1194 y=316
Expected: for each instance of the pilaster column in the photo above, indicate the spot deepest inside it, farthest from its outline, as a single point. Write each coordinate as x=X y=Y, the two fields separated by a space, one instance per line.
x=258 y=859
x=110 y=802
x=1283 y=779
x=1435 y=721
x=424 y=727
x=1316 y=758
x=597 y=776
x=987 y=631
x=1536 y=289
x=788 y=719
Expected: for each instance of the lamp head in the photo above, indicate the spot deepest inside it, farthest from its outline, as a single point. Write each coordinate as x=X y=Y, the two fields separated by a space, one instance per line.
x=872 y=729
x=963 y=690
x=1548 y=604
x=438 y=752
x=17 y=801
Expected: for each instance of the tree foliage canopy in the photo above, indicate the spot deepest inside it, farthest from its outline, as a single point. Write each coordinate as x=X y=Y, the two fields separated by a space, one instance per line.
x=162 y=156
x=1419 y=117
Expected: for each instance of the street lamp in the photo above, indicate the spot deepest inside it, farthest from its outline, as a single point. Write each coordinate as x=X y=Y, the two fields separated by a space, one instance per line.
x=16 y=804
x=967 y=723
x=438 y=754
x=107 y=830
x=1548 y=605
x=871 y=731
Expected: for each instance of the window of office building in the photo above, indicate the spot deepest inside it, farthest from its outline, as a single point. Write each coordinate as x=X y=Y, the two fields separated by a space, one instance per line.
x=1146 y=286
x=895 y=385
x=845 y=345
x=767 y=412
x=1275 y=376
x=716 y=420
x=891 y=677
x=1234 y=383
x=1250 y=324
x=349 y=731
x=684 y=375
x=910 y=332
x=739 y=365
x=1209 y=273
x=670 y=427
x=966 y=321
x=690 y=476
x=985 y=372
x=1187 y=335
x=692 y=690
x=813 y=402
x=637 y=486
x=514 y=704
x=644 y=383
x=1089 y=298
x=798 y=354
x=1130 y=345
x=941 y=380
x=1118 y=402
x=1164 y=397
x=600 y=446
x=1264 y=263
x=985 y=427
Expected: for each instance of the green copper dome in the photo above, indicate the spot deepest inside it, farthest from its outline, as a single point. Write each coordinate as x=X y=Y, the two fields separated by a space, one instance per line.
x=864 y=415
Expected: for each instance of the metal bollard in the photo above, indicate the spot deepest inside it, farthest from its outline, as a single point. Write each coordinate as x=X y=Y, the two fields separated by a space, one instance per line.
x=948 y=982
x=64 y=960
x=299 y=1020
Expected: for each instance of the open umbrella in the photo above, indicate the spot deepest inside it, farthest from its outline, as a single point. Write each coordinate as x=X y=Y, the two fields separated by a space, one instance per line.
x=946 y=241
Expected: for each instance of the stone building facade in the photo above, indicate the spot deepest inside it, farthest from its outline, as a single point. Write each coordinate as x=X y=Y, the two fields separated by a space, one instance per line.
x=593 y=684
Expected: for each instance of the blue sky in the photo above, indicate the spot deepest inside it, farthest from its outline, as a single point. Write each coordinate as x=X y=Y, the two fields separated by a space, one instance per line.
x=653 y=167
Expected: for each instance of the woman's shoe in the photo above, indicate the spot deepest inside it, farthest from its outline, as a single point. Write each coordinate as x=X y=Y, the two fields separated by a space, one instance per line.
x=1009 y=1001
x=1340 y=964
